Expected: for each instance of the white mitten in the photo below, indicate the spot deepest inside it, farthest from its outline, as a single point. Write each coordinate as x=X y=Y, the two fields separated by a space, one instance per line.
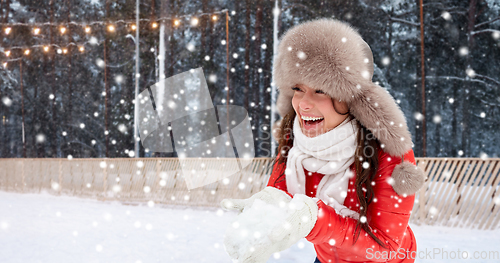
x=269 y=195
x=266 y=226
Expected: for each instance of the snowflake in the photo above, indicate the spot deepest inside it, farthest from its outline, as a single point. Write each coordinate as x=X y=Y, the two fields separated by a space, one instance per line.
x=446 y=16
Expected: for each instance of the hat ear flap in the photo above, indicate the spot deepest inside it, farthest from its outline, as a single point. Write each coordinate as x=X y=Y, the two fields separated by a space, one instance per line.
x=376 y=109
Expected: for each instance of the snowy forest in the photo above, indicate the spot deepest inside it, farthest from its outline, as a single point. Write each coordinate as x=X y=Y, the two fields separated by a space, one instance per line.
x=68 y=68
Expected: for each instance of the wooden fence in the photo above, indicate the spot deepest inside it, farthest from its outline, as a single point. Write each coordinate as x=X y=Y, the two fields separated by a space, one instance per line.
x=458 y=192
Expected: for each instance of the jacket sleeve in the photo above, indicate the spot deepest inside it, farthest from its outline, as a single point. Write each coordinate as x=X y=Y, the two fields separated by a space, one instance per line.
x=387 y=216
x=278 y=179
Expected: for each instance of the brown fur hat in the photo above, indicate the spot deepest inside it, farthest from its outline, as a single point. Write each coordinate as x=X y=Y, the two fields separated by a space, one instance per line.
x=330 y=55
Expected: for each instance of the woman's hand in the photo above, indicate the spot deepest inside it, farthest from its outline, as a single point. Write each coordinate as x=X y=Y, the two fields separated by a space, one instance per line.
x=270 y=221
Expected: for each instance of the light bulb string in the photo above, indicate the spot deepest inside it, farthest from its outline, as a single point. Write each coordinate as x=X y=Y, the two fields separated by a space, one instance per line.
x=121 y=21
x=8 y=50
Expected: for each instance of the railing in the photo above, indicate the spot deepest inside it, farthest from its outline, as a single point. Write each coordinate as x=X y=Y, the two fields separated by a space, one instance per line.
x=463 y=192
x=458 y=192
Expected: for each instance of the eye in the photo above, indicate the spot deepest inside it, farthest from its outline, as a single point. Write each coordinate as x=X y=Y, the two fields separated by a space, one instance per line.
x=296 y=88
x=320 y=92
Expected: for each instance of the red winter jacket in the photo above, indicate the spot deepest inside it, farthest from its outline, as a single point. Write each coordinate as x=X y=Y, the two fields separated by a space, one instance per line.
x=387 y=216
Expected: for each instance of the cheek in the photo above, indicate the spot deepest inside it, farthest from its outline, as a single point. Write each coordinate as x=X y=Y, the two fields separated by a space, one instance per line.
x=327 y=110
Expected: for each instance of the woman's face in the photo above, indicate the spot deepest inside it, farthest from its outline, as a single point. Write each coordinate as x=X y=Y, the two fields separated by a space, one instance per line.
x=316 y=110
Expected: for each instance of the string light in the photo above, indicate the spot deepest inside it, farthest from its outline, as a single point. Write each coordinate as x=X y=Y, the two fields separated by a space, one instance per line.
x=37 y=29
x=5 y=64
x=194 y=21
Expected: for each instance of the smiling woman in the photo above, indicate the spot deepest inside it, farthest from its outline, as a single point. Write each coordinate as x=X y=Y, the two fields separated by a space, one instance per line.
x=345 y=174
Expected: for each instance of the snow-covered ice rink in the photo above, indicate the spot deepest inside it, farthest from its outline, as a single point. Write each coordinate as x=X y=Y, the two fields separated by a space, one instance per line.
x=46 y=228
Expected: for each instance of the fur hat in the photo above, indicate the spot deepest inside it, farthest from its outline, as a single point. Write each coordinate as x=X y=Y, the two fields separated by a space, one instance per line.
x=330 y=55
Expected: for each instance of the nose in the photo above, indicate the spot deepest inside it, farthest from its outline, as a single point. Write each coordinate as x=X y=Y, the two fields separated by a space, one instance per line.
x=306 y=103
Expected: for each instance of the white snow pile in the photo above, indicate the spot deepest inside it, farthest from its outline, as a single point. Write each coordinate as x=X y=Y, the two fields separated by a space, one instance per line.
x=250 y=228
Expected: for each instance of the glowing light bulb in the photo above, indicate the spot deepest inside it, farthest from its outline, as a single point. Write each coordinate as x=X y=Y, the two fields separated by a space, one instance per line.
x=7 y=53
x=133 y=27
x=154 y=25
x=46 y=48
x=7 y=30
x=27 y=52
x=63 y=30
x=36 y=31
x=111 y=28
x=177 y=22
x=65 y=50
x=5 y=64
x=214 y=17
x=87 y=29
x=81 y=48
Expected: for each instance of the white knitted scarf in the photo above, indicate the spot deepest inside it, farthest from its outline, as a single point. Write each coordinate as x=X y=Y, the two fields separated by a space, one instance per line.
x=330 y=154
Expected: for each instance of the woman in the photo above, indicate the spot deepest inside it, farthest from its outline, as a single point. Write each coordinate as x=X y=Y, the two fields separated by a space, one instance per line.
x=344 y=156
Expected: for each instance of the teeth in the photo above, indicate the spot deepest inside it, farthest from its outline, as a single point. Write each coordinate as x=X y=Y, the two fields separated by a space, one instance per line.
x=311 y=118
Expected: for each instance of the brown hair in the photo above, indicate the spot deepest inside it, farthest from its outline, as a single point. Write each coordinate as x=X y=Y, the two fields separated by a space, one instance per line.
x=367 y=151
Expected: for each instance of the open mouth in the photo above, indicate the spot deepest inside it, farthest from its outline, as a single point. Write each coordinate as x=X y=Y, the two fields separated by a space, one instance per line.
x=311 y=122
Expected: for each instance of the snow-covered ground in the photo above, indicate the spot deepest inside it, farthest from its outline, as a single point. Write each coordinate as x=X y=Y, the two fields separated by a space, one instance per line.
x=46 y=228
